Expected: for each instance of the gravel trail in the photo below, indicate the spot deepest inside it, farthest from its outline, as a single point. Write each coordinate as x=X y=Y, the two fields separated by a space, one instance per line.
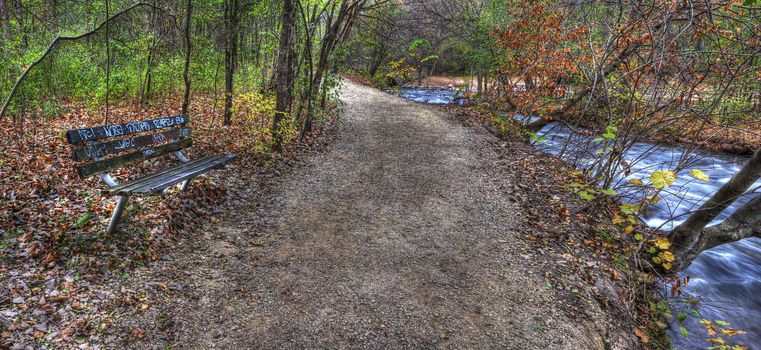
x=397 y=236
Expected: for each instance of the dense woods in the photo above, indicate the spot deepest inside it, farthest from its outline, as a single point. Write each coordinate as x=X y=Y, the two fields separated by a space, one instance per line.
x=255 y=77
x=262 y=78
x=112 y=52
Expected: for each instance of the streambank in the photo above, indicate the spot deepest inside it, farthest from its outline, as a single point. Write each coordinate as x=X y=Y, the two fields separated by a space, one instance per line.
x=724 y=280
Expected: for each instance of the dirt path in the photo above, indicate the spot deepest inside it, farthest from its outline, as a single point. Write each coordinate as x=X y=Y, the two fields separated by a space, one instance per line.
x=398 y=236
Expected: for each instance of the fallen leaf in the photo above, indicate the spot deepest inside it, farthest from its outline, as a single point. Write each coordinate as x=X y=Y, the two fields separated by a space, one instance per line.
x=642 y=335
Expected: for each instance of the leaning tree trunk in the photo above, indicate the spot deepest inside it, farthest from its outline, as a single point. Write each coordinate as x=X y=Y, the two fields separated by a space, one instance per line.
x=52 y=47
x=692 y=237
x=231 y=46
x=284 y=66
x=186 y=72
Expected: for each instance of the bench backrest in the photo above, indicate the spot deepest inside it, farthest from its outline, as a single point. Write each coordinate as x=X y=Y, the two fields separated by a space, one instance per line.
x=157 y=137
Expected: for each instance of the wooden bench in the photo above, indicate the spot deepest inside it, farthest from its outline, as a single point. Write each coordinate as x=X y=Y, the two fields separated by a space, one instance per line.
x=111 y=147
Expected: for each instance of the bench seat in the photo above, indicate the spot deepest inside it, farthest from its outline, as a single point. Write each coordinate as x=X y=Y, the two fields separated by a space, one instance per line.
x=156 y=183
x=101 y=149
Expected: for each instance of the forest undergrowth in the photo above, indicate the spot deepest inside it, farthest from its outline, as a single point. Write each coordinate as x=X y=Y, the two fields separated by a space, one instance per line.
x=62 y=272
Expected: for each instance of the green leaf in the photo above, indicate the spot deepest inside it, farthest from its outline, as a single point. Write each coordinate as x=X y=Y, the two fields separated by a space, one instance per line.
x=83 y=220
x=749 y=2
x=699 y=175
x=681 y=317
x=610 y=132
x=534 y=137
x=586 y=195
x=662 y=178
x=638 y=236
x=431 y=57
x=627 y=209
x=609 y=192
x=683 y=331
x=599 y=139
x=695 y=313
x=722 y=323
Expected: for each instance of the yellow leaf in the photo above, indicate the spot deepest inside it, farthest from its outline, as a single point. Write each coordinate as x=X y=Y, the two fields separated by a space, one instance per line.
x=667 y=265
x=732 y=332
x=663 y=243
x=636 y=182
x=699 y=175
x=629 y=229
x=662 y=178
x=667 y=256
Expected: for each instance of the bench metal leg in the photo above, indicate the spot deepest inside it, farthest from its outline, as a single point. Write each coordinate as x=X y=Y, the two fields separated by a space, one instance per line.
x=117 y=215
x=183 y=159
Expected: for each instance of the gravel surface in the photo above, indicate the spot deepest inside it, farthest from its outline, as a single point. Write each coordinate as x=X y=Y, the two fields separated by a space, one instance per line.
x=398 y=235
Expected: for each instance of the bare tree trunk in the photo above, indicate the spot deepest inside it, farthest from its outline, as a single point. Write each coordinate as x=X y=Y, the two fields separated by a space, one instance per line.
x=145 y=91
x=108 y=66
x=5 y=19
x=18 y=10
x=231 y=47
x=284 y=66
x=692 y=237
x=336 y=31
x=186 y=73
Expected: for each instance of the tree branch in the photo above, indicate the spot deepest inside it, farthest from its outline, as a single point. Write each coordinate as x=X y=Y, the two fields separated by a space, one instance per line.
x=53 y=45
x=692 y=237
x=744 y=223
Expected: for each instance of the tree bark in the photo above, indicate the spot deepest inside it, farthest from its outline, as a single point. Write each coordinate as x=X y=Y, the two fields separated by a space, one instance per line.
x=145 y=90
x=284 y=66
x=692 y=237
x=231 y=48
x=18 y=11
x=336 y=32
x=186 y=72
x=5 y=19
x=108 y=66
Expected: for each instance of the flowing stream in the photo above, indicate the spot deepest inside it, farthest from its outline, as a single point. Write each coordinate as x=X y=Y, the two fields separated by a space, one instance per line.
x=726 y=279
x=436 y=96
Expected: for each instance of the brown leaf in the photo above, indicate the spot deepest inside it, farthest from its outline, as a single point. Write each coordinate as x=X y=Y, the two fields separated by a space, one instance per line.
x=642 y=335
x=49 y=258
x=137 y=332
x=67 y=332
